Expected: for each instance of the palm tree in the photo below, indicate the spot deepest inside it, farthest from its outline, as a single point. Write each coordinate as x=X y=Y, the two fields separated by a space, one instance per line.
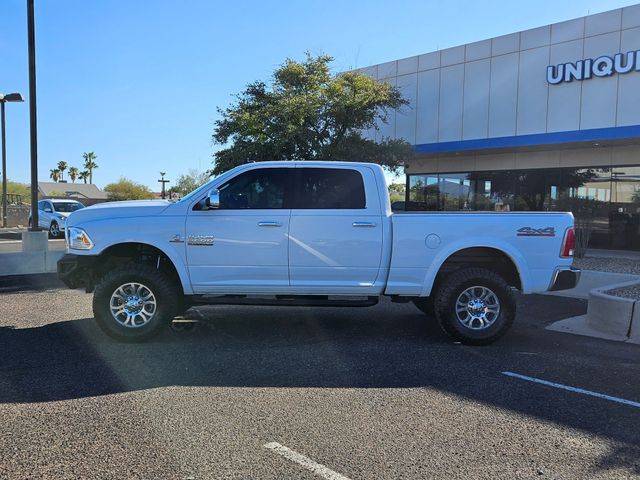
x=83 y=175
x=54 y=174
x=73 y=174
x=89 y=163
x=62 y=166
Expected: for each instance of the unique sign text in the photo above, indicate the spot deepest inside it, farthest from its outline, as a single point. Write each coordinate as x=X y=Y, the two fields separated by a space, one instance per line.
x=604 y=66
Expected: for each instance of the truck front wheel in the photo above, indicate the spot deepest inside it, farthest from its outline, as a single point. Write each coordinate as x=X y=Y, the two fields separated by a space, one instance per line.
x=134 y=302
x=475 y=306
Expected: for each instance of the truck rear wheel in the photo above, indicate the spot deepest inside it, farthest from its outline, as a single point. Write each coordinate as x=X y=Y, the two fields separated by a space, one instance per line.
x=475 y=306
x=135 y=302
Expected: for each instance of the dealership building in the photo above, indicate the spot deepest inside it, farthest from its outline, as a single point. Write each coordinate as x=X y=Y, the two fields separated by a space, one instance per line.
x=544 y=119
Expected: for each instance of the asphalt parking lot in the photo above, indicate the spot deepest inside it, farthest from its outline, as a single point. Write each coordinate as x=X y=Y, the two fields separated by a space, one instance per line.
x=256 y=392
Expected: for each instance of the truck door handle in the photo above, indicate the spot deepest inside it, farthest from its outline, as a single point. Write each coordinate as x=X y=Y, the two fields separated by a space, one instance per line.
x=269 y=224
x=363 y=224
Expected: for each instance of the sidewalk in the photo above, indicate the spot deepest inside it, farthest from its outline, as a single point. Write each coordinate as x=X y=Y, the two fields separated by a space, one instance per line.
x=602 y=253
x=590 y=279
x=608 y=317
x=601 y=268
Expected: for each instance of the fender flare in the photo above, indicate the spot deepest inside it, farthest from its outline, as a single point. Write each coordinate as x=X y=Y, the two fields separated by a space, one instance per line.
x=171 y=254
x=477 y=242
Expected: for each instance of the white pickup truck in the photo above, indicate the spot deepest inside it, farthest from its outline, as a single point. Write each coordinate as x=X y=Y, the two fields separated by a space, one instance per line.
x=310 y=234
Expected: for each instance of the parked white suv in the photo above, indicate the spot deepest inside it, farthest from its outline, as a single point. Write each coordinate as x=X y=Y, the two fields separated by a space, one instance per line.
x=52 y=214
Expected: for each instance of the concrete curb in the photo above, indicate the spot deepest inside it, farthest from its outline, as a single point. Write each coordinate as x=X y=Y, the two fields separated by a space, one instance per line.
x=24 y=263
x=594 y=279
x=608 y=316
x=611 y=314
x=634 y=328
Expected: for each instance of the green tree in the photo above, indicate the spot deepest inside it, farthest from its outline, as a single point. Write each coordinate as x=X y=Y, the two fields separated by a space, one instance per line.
x=307 y=113
x=397 y=192
x=54 y=174
x=90 y=163
x=189 y=181
x=73 y=174
x=125 y=189
x=17 y=188
x=84 y=175
x=62 y=166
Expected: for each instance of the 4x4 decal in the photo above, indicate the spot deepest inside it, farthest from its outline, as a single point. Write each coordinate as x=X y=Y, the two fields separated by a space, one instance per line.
x=536 y=232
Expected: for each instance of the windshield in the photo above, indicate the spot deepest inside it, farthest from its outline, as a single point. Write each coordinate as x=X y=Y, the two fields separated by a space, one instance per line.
x=67 y=207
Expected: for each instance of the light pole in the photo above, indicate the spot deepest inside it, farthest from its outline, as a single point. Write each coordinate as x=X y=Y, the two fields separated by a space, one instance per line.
x=163 y=181
x=10 y=97
x=33 y=122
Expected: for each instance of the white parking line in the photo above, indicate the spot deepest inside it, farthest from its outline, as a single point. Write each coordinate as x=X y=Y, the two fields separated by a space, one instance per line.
x=306 y=462
x=574 y=389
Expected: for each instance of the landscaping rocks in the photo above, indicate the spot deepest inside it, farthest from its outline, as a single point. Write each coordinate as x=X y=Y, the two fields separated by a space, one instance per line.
x=632 y=292
x=605 y=264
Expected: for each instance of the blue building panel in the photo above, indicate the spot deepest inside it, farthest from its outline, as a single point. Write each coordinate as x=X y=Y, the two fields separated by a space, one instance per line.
x=553 y=138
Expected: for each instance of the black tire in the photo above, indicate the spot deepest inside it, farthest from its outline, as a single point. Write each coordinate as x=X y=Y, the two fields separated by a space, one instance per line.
x=54 y=230
x=451 y=289
x=166 y=293
x=425 y=305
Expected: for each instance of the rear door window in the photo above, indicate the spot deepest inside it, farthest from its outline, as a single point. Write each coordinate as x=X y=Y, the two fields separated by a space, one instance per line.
x=329 y=188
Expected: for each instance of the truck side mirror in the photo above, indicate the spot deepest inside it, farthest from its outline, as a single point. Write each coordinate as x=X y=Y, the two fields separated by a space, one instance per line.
x=213 y=199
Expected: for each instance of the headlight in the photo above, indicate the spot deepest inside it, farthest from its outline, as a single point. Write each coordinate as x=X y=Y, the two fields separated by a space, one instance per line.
x=78 y=239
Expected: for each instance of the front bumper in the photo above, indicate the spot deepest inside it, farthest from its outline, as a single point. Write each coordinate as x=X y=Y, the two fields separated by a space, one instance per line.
x=77 y=271
x=564 y=279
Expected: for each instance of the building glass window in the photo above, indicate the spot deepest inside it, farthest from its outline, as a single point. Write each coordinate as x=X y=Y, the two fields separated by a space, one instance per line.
x=495 y=191
x=456 y=191
x=585 y=192
x=423 y=193
x=605 y=200
x=533 y=191
x=625 y=207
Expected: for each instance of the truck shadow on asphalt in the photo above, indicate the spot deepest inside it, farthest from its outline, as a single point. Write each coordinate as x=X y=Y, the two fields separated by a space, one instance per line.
x=261 y=347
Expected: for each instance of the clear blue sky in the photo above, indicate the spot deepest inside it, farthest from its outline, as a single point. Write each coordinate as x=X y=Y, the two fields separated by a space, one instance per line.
x=138 y=82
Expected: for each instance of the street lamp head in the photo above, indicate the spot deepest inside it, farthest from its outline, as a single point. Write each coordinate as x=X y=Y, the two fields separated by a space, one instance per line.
x=11 y=97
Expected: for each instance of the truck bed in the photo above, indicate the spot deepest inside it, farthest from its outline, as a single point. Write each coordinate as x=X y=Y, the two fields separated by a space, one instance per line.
x=422 y=241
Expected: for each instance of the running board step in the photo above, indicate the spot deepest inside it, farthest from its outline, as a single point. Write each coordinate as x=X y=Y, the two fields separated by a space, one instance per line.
x=286 y=300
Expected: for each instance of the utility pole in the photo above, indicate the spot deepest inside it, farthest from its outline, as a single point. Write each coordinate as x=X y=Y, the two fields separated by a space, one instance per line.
x=163 y=182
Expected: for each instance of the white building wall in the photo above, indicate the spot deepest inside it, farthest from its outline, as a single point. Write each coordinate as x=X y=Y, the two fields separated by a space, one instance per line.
x=629 y=85
x=498 y=87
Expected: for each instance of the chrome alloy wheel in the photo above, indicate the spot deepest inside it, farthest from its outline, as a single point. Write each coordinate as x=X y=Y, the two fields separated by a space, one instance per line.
x=133 y=305
x=477 y=308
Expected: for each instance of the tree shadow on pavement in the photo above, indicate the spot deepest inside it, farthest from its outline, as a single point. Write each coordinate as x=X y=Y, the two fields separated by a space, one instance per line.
x=322 y=348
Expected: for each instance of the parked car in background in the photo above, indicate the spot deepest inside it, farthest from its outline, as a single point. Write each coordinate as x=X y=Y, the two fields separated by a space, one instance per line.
x=52 y=214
